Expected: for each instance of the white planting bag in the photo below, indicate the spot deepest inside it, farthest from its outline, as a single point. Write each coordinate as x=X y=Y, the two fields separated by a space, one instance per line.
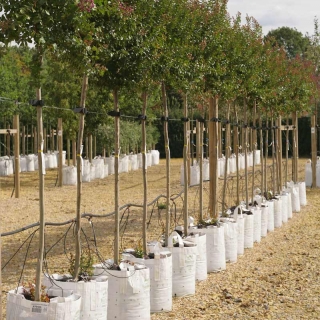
x=270 y=215
x=155 y=157
x=148 y=159
x=200 y=239
x=302 y=193
x=231 y=239
x=256 y=223
x=69 y=176
x=183 y=266
x=134 y=162
x=30 y=162
x=205 y=170
x=295 y=198
x=289 y=205
x=128 y=291
x=160 y=277
x=92 y=172
x=23 y=164
x=239 y=217
x=284 y=209
x=6 y=167
x=60 y=308
x=99 y=164
x=257 y=157
x=278 y=212
x=94 y=294
x=248 y=230
x=86 y=171
x=308 y=174
x=110 y=163
x=264 y=219
x=216 y=250
x=194 y=175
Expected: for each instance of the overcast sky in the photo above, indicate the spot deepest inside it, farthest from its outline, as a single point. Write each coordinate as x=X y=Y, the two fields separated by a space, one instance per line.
x=272 y=14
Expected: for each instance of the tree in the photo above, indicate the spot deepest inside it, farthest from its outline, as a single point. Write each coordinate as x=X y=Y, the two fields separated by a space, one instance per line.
x=293 y=41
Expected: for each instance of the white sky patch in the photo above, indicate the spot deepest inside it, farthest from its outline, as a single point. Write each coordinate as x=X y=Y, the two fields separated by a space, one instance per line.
x=273 y=14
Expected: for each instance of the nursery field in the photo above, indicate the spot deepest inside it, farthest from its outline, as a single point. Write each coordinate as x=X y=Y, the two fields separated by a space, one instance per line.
x=277 y=279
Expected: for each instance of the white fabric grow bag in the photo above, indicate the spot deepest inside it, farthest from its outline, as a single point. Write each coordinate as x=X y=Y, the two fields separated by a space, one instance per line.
x=264 y=219
x=92 y=171
x=60 y=308
x=30 y=162
x=248 y=230
x=256 y=224
x=295 y=198
x=155 y=157
x=86 y=171
x=231 y=239
x=257 y=157
x=94 y=294
x=194 y=175
x=99 y=164
x=205 y=170
x=289 y=205
x=183 y=267
x=110 y=163
x=302 y=193
x=128 y=291
x=69 y=176
x=148 y=159
x=278 y=212
x=317 y=174
x=284 y=210
x=239 y=217
x=6 y=166
x=216 y=250
x=160 y=277
x=271 y=215
x=134 y=162
x=23 y=164
x=308 y=174
x=200 y=239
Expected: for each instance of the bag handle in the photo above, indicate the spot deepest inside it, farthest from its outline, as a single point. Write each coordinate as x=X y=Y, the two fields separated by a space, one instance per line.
x=170 y=240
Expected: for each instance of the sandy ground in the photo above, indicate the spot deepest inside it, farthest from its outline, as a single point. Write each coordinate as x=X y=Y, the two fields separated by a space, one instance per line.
x=277 y=279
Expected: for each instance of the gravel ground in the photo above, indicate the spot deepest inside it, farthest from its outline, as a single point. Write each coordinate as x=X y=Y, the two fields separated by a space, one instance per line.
x=277 y=279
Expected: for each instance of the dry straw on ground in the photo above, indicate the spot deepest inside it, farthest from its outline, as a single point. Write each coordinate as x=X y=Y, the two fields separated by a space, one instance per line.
x=277 y=279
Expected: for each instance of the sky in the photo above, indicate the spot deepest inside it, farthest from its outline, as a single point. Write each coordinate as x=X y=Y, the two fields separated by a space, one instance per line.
x=272 y=14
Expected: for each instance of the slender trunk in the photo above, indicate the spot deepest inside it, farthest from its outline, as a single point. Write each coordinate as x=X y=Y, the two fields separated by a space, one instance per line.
x=68 y=151
x=201 y=125
x=227 y=149
x=213 y=156
x=287 y=150
x=144 y=172
x=314 y=150
x=60 y=146
x=261 y=154
x=265 y=158
x=116 y=177
x=236 y=151
x=279 y=148
x=273 y=157
x=253 y=148
x=167 y=150
x=16 y=156
x=41 y=198
x=185 y=165
x=245 y=128
x=79 y=177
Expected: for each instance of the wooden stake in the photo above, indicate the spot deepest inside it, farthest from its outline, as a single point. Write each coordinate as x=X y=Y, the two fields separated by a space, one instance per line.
x=8 y=144
x=44 y=140
x=68 y=152
x=253 y=148
x=201 y=126
x=246 y=152
x=279 y=144
x=23 y=140
x=74 y=152
x=90 y=147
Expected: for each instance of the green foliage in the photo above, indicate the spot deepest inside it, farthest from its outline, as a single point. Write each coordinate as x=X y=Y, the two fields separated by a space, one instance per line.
x=86 y=264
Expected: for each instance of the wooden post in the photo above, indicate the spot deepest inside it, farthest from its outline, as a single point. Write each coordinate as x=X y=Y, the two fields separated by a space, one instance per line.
x=220 y=140
x=245 y=128
x=296 y=138
x=261 y=154
x=16 y=156
x=313 y=151
x=287 y=150
x=41 y=198
x=68 y=152
x=87 y=147
x=198 y=152
x=27 y=140
x=273 y=157
x=185 y=165
x=253 y=143
x=60 y=147
x=144 y=172
x=266 y=157
x=167 y=150
x=213 y=156
x=79 y=177
x=116 y=177
x=95 y=146
x=23 y=140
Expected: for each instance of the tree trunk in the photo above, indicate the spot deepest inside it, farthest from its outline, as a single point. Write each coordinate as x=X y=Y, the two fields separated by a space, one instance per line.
x=245 y=128
x=213 y=156
x=186 y=166
x=253 y=148
x=79 y=177
x=167 y=150
x=144 y=172
x=16 y=156
x=227 y=152
x=60 y=147
x=116 y=177
x=314 y=151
